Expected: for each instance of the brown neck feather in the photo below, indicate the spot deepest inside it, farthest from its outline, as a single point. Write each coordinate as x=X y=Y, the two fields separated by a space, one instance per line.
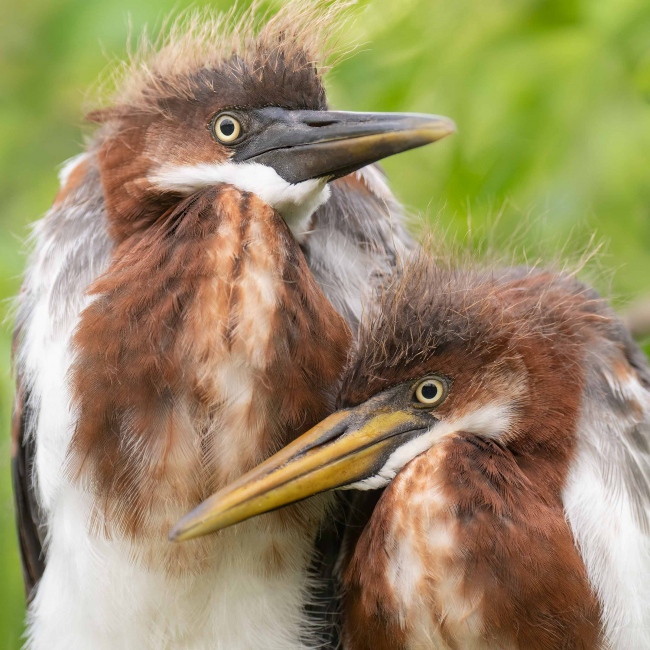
x=207 y=347
x=490 y=558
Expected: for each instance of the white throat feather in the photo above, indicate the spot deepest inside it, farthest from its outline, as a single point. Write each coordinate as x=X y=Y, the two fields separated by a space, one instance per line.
x=294 y=202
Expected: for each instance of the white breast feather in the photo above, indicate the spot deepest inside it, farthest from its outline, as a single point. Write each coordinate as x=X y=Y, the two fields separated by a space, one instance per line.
x=600 y=508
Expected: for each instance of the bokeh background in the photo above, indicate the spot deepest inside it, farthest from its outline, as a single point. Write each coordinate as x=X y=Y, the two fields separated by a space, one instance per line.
x=551 y=98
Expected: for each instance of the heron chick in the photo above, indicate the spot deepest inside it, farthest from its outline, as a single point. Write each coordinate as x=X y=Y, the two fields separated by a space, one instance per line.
x=497 y=426
x=186 y=313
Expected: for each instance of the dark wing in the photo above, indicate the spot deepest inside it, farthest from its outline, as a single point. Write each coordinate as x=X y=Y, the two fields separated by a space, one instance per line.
x=29 y=521
x=334 y=545
x=324 y=605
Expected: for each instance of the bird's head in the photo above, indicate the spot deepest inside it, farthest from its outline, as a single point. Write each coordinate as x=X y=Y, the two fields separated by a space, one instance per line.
x=495 y=355
x=219 y=102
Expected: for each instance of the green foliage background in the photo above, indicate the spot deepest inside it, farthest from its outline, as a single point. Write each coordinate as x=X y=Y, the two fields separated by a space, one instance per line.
x=551 y=100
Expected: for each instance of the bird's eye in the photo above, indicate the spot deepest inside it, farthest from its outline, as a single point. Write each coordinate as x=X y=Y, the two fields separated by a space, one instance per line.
x=227 y=128
x=430 y=391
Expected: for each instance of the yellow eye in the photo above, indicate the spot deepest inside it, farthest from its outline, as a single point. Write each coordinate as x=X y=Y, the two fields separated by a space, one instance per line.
x=430 y=391
x=227 y=128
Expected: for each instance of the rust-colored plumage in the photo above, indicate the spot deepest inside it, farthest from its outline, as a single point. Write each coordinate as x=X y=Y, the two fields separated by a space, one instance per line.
x=218 y=280
x=504 y=413
x=496 y=561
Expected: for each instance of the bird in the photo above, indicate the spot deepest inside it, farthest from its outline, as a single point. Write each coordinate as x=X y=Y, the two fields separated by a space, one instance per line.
x=186 y=312
x=493 y=424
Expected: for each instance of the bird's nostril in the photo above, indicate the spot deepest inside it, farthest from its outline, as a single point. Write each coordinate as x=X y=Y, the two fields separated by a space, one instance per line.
x=320 y=123
x=332 y=434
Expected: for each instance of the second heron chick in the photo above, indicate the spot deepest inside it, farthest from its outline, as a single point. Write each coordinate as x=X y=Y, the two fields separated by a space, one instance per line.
x=501 y=421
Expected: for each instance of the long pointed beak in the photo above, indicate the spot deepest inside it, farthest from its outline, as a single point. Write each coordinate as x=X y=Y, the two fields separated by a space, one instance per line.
x=348 y=446
x=301 y=145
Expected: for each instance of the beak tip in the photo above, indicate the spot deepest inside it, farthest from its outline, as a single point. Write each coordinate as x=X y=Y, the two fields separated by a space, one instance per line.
x=442 y=127
x=183 y=530
x=174 y=534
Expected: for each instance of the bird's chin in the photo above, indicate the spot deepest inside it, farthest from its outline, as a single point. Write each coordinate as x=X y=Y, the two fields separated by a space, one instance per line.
x=295 y=202
x=299 y=201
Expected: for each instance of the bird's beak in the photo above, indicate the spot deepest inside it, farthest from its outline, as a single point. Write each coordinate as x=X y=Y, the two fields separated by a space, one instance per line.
x=348 y=446
x=302 y=145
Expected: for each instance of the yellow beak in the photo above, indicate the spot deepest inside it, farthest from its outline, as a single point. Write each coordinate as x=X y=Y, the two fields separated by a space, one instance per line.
x=348 y=446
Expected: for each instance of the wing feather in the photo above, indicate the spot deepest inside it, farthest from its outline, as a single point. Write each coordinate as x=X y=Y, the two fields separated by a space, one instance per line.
x=29 y=519
x=607 y=497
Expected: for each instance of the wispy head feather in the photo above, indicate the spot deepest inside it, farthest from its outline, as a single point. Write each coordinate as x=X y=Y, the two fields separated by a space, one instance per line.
x=301 y=38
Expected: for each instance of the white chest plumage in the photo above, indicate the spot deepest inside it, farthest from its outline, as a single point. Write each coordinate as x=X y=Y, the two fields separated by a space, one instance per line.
x=606 y=498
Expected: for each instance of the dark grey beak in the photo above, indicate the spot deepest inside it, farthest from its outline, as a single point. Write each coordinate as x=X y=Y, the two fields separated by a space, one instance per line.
x=301 y=145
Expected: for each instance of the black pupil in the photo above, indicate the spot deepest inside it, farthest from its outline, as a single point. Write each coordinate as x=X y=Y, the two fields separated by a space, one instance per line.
x=227 y=127
x=429 y=391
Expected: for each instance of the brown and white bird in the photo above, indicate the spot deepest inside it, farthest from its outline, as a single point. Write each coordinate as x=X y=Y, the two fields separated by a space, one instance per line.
x=498 y=424
x=186 y=313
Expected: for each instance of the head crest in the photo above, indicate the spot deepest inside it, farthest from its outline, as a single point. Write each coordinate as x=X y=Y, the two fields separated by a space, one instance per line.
x=197 y=48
